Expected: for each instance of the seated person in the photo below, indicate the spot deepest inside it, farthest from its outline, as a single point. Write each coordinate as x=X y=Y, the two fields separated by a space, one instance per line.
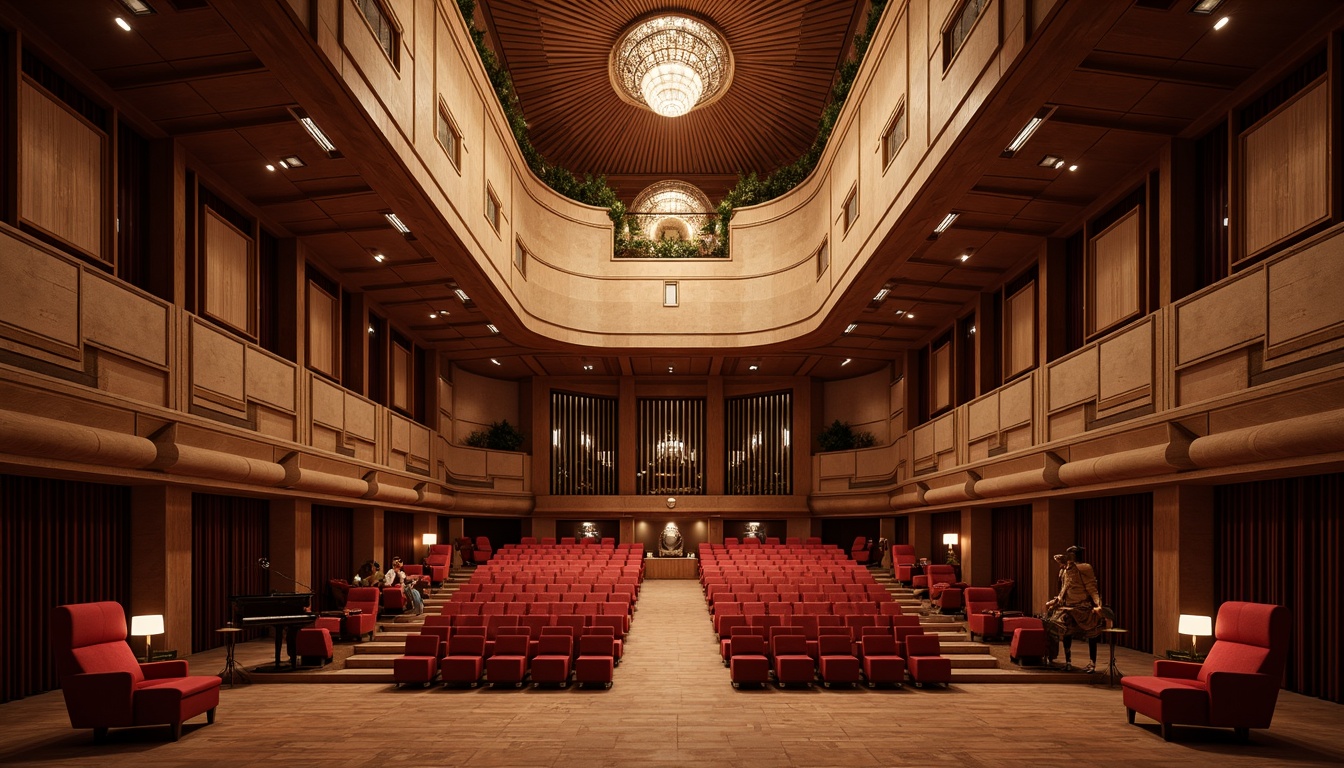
x=396 y=577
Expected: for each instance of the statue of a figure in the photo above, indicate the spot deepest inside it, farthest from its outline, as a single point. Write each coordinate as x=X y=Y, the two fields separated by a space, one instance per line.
x=670 y=544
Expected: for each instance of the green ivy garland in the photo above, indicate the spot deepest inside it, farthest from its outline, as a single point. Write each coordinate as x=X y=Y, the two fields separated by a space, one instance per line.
x=630 y=241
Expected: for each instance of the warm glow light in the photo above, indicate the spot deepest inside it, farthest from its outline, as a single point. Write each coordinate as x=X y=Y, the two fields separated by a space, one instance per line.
x=147 y=625
x=462 y=295
x=496 y=362
x=851 y=327
x=380 y=258
x=270 y=167
x=671 y=210
x=397 y=223
x=945 y=223
x=1199 y=626
x=122 y=23
x=429 y=539
x=491 y=327
x=882 y=294
x=846 y=361
x=1221 y=23
x=671 y=64
x=949 y=539
x=1073 y=167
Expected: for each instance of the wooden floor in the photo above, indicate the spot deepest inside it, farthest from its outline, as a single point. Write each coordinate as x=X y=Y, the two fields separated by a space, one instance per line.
x=671 y=705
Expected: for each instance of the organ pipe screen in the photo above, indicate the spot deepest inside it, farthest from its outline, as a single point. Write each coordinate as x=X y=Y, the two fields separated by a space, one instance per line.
x=583 y=445
x=670 y=449
x=758 y=445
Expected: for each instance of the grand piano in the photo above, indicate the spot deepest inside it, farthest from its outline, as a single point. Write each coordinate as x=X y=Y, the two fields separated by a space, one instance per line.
x=283 y=612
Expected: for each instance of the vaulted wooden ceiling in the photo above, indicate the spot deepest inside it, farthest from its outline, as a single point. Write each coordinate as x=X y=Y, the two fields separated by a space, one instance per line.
x=786 y=53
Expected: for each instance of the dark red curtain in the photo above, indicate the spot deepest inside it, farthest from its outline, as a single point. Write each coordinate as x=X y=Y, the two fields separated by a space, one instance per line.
x=333 y=550
x=64 y=542
x=399 y=539
x=837 y=531
x=1117 y=532
x=939 y=524
x=1279 y=541
x=902 y=534
x=229 y=534
x=1010 y=556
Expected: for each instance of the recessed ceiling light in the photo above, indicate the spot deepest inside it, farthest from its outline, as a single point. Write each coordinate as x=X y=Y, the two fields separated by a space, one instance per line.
x=882 y=294
x=1059 y=165
x=910 y=315
x=462 y=295
x=1205 y=7
x=433 y=315
x=1024 y=135
x=1221 y=22
x=284 y=165
x=397 y=223
x=1049 y=161
x=945 y=223
x=270 y=167
x=496 y=362
x=380 y=258
x=492 y=328
x=1224 y=221
x=753 y=367
x=292 y=161
x=669 y=369
x=138 y=7
x=588 y=366
x=847 y=361
x=850 y=328
x=316 y=133
x=965 y=257
x=1073 y=167
x=123 y=24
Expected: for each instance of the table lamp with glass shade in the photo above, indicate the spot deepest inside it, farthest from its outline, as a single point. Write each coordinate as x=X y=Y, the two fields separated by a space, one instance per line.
x=147 y=625
x=429 y=540
x=950 y=539
x=1196 y=627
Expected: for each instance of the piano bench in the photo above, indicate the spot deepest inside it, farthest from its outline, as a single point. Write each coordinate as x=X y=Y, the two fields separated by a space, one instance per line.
x=313 y=647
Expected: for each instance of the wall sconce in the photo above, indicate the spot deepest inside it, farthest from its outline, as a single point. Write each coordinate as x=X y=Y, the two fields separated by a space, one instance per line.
x=950 y=539
x=1196 y=627
x=147 y=625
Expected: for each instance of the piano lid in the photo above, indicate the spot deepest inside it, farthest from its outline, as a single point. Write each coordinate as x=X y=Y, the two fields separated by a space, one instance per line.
x=277 y=604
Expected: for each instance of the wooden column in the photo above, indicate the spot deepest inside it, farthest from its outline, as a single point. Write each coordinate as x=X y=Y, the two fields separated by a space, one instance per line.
x=1051 y=534
x=161 y=562
x=887 y=530
x=368 y=535
x=800 y=527
x=1182 y=562
x=626 y=437
x=541 y=436
x=714 y=439
x=920 y=530
x=977 y=552
x=291 y=545
x=455 y=527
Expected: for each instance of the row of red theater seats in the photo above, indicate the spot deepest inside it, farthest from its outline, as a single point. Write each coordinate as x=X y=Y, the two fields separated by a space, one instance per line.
x=539 y=609
x=492 y=624
x=866 y=608
x=856 y=623
x=551 y=656
x=794 y=656
x=552 y=588
x=767 y=595
x=624 y=596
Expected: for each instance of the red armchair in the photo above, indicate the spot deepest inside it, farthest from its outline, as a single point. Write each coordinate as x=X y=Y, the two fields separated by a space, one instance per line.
x=982 y=613
x=1236 y=686
x=105 y=687
x=365 y=599
x=902 y=562
x=860 y=551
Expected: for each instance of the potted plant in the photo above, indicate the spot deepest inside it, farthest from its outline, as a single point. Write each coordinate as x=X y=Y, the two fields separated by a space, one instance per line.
x=501 y=436
x=840 y=436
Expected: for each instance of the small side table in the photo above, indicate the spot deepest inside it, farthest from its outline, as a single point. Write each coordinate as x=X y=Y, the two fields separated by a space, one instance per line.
x=1112 y=672
x=231 y=667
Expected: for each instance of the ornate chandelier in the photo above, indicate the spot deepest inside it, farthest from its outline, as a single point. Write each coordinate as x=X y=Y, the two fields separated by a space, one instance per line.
x=671 y=64
x=671 y=210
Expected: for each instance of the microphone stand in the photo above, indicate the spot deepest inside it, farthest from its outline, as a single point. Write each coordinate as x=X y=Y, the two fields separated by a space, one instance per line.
x=266 y=566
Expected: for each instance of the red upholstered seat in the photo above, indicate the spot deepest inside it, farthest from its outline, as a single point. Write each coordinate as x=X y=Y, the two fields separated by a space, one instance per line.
x=1237 y=685
x=597 y=662
x=465 y=660
x=1030 y=644
x=982 y=606
x=792 y=663
x=313 y=646
x=365 y=600
x=551 y=664
x=881 y=663
x=836 y=663
x=508 y=664
x=420 y=664
x=925 y=661
x=105 y=687
x=748 y=664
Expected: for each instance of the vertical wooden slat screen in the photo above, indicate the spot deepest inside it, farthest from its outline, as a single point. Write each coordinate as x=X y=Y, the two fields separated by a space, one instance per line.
x=228 y=535
x=1010 y=557
x=65 y=542
x=333 y=548
x=670 y=446
x=584 y=435
x=1117 y=532
x=1279 y=541
x=758 y=436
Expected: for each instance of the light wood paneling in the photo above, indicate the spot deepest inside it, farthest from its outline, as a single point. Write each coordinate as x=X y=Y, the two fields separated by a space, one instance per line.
x=62 y=177
x=39 y=299
x=1113 y=275
x=230 y=274
x=940 y=378
x=670 y=567
x=401 y=377
x=323 y=339
x=1019 y=324
x=1286 y=171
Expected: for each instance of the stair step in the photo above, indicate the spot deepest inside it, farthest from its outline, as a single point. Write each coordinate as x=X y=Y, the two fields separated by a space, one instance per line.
x=371 y=660
x=984 y=661
x=959 y=647
x=381 y=645
x=1015 y=675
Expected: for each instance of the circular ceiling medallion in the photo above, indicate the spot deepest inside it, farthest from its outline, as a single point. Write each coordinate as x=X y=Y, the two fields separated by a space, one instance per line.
x=671 y=63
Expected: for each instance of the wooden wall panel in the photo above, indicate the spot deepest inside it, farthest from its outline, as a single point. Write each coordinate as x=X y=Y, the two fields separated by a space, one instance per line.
x=940 y=378
x=401 y=377
x=230 y=274
x=1304 y=298
x=1019 y=331
x=1114 y=273
x=324 y=322
x=1286 y=171
x=39 y=299
x=117 y=318
x=62 y=179
x=217 y=368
